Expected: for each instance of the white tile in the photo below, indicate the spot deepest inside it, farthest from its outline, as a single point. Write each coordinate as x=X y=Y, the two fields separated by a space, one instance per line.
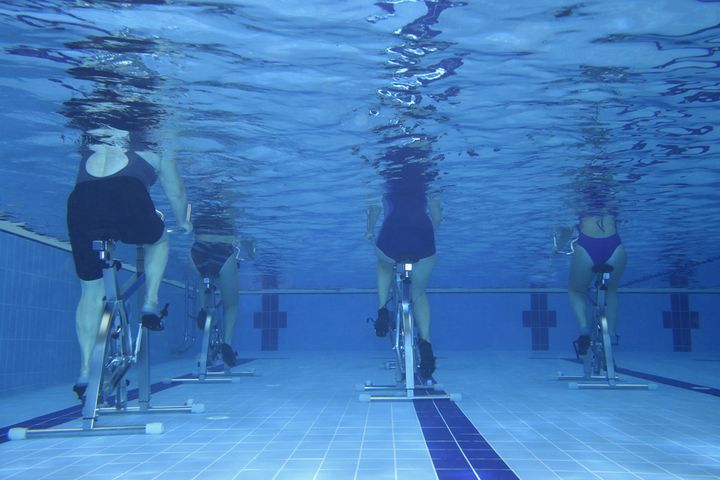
x=289 y=422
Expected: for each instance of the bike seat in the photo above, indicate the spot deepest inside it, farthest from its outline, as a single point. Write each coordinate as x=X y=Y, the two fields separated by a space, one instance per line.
x=403 y=260
x=602 y=268
x=102 y=244
x=208 y=283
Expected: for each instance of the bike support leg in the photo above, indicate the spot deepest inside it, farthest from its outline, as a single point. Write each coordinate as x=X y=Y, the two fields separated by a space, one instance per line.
x=203 y=375
x=405 y=388
x=409 y=350
x=143 y=347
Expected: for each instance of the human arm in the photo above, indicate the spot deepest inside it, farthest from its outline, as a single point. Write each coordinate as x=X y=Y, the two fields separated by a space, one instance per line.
x=564 y=239
x=435 y=210
x=173 y=187
x=373 y=213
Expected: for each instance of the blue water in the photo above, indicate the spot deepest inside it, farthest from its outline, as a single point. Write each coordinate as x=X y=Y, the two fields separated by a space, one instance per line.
x=281 y=112
x=288 y=118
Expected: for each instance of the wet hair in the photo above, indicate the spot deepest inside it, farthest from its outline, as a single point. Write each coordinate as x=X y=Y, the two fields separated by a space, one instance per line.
x=104 y=108
x=596 y=190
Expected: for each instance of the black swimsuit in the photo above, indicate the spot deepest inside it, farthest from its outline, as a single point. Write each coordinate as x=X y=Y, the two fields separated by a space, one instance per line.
x=116 y=207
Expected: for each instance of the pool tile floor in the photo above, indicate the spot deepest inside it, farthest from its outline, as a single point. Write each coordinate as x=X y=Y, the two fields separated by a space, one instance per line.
x=301 y=418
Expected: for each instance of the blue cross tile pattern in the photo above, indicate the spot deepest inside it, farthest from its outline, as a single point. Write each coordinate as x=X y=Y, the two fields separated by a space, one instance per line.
x=682 y=321
x=270 y=319
x=539 y=320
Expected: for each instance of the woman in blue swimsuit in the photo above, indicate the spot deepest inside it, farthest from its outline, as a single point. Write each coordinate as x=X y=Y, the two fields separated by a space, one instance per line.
x=598 y=243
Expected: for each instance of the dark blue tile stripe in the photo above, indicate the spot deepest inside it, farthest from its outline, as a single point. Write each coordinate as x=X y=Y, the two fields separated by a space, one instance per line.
x=53 y=419
x=663 y=380
x=216 y=368
x=457 y=449
x=671 y=381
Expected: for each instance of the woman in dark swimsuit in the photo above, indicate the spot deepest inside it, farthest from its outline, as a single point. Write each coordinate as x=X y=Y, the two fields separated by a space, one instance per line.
x=213 y=254
x=407 y=234
x=111 y=200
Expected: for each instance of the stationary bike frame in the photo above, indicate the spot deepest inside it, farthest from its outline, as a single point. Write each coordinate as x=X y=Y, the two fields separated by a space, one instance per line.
x=212 y=337
x=114 y=348
x=404 y=328
x=599 y=362
x=404 y=344
x=114 y=353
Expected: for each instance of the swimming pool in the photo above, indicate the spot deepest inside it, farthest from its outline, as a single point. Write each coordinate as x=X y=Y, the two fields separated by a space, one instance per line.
x=512 y=101
x=291 y=116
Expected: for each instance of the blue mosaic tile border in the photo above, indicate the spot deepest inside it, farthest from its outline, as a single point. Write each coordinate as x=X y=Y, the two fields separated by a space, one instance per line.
x=457 y=449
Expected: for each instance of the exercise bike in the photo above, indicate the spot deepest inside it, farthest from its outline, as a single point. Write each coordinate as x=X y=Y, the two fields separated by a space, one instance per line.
x=404 y=340
x=210 y=320
x=599 y=370
x=115 y=351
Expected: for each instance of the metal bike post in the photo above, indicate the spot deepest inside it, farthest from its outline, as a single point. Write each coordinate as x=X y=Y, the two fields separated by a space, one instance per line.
x=396 y=343
x=408 y=332
x=205 y=349
x=607 y=342
x=143 y=355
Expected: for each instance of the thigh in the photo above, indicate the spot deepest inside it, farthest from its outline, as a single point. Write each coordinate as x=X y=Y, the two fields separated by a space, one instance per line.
x=618 y=260
x=140 y=222
x=581 y=273
x=383 y=257
x=88 y=220
x=421 y=274
x=228 y=280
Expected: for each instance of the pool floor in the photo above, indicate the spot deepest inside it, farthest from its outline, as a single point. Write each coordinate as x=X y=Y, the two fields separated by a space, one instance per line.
x=301 y=418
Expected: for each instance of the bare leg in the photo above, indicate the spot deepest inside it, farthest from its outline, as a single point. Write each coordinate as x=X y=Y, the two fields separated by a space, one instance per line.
x=384 y=273
x=87 y=321
x=156 y=257
x=618 y=260
x=229 y=292
x=581 y=275
x=421 y=306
